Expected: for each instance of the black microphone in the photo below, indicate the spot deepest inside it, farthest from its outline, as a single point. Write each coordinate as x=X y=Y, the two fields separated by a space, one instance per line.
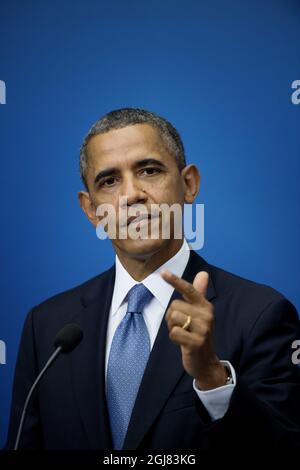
x=65 y=341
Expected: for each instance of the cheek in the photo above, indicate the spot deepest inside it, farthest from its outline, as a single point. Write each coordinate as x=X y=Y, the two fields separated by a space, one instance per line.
x=105 y=198
x=170 y=192
x=167 y=183
x=105 y=207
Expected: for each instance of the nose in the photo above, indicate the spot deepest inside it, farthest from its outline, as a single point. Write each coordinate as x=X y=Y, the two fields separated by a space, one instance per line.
x=132 y=189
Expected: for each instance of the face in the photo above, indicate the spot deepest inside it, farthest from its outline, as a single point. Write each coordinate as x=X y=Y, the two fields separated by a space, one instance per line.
x=134 y=162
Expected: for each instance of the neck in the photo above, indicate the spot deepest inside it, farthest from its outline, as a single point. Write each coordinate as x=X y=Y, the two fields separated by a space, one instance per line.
x=139 y=267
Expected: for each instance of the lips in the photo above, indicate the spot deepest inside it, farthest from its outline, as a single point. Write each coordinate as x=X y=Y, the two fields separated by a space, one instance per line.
x=125 y=222
x=138 y=218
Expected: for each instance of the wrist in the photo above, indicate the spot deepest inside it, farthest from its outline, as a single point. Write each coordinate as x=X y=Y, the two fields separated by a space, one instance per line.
x=213 y=377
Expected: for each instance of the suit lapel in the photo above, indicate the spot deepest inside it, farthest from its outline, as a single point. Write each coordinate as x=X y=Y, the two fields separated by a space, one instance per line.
x=88 y=361
x=164 y=369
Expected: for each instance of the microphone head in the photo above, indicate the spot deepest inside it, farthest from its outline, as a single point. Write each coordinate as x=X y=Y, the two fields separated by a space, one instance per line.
x=68 y=337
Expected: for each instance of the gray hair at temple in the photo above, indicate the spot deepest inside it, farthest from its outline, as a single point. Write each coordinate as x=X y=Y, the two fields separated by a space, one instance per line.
x=124 y=117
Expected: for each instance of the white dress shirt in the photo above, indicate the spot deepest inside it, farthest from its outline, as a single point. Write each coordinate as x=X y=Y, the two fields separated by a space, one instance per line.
x=216 y=401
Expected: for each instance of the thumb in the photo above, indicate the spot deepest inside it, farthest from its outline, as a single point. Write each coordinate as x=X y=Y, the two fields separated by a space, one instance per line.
x=201 y=282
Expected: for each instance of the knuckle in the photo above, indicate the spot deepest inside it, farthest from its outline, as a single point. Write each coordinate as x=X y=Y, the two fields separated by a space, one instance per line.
x=189 y=289
x=209 y=307
x=205 y=330
x=173 y=315
x=209 y=319
x=175 y=304
x=207 y=313
x=173 y=333
x=168 y=316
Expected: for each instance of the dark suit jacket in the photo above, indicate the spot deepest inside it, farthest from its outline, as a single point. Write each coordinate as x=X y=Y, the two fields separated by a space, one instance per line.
x=254 y=329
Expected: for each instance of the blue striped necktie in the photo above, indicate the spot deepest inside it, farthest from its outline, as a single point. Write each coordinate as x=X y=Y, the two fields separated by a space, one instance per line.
x=128 y=357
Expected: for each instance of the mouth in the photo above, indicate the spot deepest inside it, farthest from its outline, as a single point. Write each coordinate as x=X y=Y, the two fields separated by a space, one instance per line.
x=142 y=219
x=138 y=219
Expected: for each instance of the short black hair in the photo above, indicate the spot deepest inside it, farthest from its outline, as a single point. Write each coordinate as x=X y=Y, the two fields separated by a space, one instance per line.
x=123 y=117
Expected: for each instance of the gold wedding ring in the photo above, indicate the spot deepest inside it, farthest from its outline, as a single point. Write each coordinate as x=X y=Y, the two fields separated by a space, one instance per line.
x=187 y=323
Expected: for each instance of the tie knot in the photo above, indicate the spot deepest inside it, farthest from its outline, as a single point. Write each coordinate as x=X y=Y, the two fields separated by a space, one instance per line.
x=138 y=297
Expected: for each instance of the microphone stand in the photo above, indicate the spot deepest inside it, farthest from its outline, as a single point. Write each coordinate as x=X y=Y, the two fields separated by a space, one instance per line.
x=47 y=365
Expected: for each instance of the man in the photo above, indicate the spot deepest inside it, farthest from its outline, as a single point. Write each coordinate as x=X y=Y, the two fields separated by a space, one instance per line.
x=176 y=353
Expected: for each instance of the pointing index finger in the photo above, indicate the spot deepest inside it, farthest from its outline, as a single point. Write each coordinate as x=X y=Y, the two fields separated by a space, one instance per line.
x=185 y=288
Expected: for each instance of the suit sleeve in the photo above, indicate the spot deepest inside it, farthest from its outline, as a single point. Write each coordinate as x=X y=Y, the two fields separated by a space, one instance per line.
x=26 y=372
x=264 y=409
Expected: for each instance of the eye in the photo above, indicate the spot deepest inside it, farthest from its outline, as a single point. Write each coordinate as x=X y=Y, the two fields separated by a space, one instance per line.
x=151 y=171
x=109 y=181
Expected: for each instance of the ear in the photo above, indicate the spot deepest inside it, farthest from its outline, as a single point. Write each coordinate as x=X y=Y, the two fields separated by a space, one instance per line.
x=88 y=207
x=191 y=180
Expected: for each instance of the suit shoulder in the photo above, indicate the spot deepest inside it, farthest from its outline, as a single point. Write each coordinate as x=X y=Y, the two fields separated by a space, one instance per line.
x=229 y=283
x=74 y=295
x=242 y=302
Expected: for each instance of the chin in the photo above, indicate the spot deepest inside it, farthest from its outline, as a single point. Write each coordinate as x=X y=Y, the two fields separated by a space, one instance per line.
x=140 y=247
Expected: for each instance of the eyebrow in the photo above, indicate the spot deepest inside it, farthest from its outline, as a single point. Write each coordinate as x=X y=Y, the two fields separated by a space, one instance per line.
x=113 y=170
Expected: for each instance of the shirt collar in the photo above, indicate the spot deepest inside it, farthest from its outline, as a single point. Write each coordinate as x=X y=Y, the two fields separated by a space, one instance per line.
x=160 y=289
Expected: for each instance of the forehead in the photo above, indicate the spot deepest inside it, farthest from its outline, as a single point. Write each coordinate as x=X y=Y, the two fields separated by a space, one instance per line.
x=121 y=145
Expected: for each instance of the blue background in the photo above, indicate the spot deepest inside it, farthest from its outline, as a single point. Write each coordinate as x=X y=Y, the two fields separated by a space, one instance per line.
x=220 y=71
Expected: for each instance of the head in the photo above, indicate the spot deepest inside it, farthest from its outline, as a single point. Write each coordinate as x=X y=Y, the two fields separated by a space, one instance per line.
x=138 y=154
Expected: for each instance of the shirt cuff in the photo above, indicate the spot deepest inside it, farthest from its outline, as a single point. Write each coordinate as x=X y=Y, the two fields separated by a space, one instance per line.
x=216 y=401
